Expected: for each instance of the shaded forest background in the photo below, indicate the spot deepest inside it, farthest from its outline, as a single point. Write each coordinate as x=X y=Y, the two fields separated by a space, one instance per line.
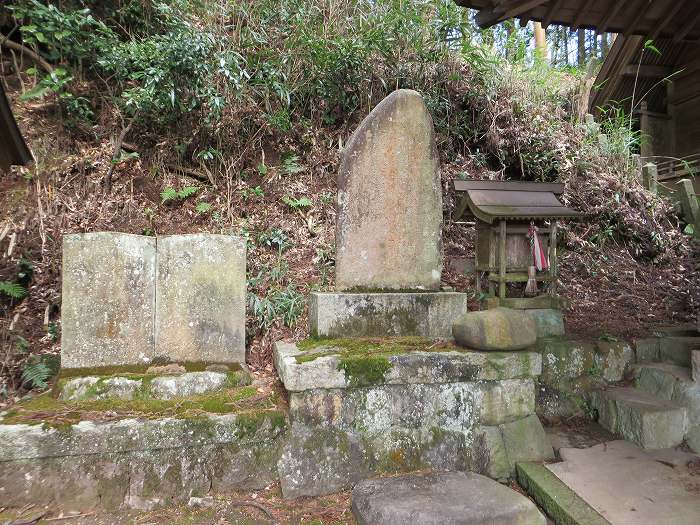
x=157 y=117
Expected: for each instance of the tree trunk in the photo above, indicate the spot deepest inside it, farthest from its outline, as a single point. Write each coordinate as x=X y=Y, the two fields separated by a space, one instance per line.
x=581 y=47
x=540 y=42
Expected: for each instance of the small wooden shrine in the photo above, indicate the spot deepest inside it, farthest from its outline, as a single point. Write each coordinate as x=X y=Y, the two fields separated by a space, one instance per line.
x=505 y=212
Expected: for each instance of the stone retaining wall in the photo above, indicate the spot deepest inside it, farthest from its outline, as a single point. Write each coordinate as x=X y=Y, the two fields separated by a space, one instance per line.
x=447 y=410
x=139 y=464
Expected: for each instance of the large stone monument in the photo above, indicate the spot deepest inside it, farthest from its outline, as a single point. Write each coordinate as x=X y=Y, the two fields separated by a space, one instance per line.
x=388 y=236
x=108 y=299
x=200 y=298
x=130 y=298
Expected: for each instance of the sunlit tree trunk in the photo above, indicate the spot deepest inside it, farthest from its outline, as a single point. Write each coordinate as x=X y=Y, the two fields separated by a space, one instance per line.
x=540 y=42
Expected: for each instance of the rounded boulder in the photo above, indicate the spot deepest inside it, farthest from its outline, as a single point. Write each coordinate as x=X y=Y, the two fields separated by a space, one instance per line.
x=499 y=329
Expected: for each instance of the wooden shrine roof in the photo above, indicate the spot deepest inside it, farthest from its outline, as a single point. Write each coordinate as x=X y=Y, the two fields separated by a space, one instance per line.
x=675 y=19
x=489 y=200
x=13 y=149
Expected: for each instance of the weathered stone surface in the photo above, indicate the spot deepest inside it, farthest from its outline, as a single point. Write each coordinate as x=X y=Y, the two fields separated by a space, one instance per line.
x=550 y=322
x=500 y=329
x=564 y=359
x=138 y=464
x=613 y=359
x=425 y=314
x=627 y=485
x=189 y=384
x=673 y=383
x=440 y=499
x=108 y=299
x=567 y=397
x=451 y=406
x=525 y=440
x=409 y=368
x=695 y=365
x=92 y=387
x=638 y=417
x=693 y=438
x=676 y=349
x=389 y=220
x=647 y=350
x=200 y=298
x=169 y=369
x=561 y=503
x=489 y=455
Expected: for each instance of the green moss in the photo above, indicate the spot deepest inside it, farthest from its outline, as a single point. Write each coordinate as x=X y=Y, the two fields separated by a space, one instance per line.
x=47 y=409
x=364 y=370
x=361 y=346
x=140 y=370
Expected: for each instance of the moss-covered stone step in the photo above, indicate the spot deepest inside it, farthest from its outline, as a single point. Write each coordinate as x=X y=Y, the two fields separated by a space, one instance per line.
x=145 y=386
x=139 y=463
x=646 y=420
x=349 y=363
x=560 y=503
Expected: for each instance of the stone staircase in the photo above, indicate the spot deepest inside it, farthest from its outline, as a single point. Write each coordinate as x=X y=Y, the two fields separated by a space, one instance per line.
x=662 y=408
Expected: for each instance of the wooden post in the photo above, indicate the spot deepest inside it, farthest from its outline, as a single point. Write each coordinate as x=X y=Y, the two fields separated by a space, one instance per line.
x=650 y=177
x=553 y=270
x=502 y=260
x=540 y=42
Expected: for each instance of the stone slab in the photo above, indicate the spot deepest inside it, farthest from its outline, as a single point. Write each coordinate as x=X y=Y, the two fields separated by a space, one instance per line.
x=549 y=322
x=647 y=350
x=613 y=359
x=630 y=486
x=140 y=464
x=201 y=298
x=426 y=314
x=648 y=421
x=695 y=365
x=389 y=221
x=671 y=382
x=409 y=368
x=107 y=299
x=560 y=503
x=440 y=499
x=498 y=329
x=676 y=349
x=565 y=359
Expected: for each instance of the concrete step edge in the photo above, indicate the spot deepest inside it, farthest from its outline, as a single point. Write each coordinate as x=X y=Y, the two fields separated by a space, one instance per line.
x=662 y=405
x=560 y=503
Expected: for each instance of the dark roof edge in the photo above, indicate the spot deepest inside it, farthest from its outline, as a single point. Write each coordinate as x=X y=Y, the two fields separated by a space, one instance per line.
x=13 y=148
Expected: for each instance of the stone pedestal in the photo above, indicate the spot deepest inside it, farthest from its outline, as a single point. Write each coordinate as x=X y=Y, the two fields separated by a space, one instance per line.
x=356 y=411
x=426 y=314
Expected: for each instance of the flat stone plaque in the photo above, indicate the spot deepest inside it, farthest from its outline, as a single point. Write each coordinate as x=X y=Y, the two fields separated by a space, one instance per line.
x=108 y=299
x=200 y=298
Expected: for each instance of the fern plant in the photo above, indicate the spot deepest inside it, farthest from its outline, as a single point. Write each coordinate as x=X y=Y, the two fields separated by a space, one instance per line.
x=36 y=375
x=171 y=194
x=14 y=290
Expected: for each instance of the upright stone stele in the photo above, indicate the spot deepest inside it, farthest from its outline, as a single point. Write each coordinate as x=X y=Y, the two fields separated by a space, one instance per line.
x=200 y=298
x=390 y=201
x=108 y=299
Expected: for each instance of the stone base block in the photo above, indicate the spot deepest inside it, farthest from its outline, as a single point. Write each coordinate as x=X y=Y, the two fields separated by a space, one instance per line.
x=139 y=464
x=428 y=314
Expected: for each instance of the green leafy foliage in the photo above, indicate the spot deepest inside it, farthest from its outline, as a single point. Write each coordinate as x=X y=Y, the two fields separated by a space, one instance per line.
x=171 y=194
x=275 y=237
x=36 y=374
x=280 y=304
x=203 y=208
x=14 y=290
x=297 y=204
